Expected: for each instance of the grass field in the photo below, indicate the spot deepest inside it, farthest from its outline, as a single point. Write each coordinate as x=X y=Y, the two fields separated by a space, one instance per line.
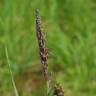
x=70 y=28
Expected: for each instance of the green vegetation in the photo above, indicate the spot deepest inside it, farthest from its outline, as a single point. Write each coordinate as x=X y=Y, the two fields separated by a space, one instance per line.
x=70 y=28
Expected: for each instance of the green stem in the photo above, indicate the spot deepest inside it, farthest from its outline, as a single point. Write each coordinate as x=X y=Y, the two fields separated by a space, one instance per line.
x=11 y=74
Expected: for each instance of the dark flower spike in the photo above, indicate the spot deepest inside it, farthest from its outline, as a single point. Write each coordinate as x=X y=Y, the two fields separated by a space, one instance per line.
x=58 y=90
x=44 y=52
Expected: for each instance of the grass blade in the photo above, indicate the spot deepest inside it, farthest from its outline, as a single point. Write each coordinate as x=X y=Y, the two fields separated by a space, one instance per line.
x=11 y=74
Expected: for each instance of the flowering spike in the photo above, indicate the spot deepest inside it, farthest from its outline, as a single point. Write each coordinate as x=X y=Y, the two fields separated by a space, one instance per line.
x=43 y=50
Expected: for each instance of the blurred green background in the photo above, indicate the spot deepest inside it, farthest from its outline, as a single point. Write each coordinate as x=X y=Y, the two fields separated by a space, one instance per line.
x=70 y=27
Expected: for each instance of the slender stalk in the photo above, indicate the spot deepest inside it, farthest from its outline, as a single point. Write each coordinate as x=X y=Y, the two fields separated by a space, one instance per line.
x=42 y=49
x=11 y=74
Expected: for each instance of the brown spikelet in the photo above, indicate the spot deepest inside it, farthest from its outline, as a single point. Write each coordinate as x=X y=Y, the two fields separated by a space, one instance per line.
x=41 y=41
x=58 y=90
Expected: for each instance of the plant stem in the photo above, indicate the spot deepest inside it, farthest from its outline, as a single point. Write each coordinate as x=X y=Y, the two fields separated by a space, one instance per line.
x=11 y=74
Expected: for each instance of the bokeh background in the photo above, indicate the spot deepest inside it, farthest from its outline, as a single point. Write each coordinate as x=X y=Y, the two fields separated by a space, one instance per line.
x=70 y=27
